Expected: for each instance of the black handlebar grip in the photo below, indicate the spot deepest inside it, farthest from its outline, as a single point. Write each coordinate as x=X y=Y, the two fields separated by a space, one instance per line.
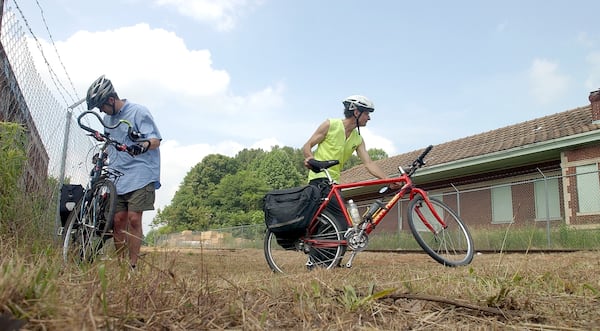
x=425 y=152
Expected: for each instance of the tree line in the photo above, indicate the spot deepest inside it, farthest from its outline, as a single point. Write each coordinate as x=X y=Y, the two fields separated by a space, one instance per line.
x=223 y=191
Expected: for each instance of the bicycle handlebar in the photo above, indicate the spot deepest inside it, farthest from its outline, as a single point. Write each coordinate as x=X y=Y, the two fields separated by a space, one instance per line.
x=419 y=161
x=422 y=156
x=133 y=135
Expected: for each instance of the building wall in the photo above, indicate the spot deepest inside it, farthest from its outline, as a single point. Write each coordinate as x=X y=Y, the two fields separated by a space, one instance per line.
x=473 y=201
x=570 y=161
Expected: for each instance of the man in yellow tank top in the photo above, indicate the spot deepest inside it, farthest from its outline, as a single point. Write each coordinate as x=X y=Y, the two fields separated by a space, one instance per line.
x=337 y=139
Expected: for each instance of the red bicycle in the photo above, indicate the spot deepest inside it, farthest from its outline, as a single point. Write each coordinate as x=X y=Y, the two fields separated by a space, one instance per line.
x=436 y=227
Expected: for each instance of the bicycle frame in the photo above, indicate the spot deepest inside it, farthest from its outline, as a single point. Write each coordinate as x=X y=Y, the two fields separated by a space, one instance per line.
x=370 y=224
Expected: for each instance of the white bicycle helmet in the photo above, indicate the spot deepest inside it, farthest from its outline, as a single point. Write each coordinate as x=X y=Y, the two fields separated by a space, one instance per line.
x=99 y=92
x=358 y=102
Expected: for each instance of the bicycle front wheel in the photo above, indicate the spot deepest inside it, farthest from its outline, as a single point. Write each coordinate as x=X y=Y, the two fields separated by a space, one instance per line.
x=104 y=203
x=450 y=245
x=322 y=248
x=78 y=238
x=90 y=224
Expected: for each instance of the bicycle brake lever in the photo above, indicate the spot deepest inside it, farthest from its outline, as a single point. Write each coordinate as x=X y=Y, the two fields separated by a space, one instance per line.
x=122 y=148
x=134 y=135
x=96 y=135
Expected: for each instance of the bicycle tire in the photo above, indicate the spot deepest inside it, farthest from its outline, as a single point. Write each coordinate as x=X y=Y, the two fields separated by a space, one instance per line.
x=89 y=224
x=105 y=196
x=300 y=254
x=452 y=246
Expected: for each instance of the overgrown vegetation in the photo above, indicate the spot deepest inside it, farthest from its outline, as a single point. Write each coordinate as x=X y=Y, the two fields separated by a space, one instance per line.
x=24 y=215
x=177 y=290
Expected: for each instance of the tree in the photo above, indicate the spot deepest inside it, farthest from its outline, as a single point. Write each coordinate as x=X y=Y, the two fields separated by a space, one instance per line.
x=377 y=154
x=191 y=208
x=223 y=191
x=374 y=153
x=246 y=157
x=236 y=197
x=278 y=170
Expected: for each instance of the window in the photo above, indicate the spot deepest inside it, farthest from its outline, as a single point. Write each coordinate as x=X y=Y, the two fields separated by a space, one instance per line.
x=502 y=211
x=588 y=188
x=553 y=211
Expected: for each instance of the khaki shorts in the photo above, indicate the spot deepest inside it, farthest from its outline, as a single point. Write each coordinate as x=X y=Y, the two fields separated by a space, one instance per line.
x=138 y=200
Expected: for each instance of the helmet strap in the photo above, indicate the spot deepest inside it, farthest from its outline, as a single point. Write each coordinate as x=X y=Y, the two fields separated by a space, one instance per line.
x=357 y=126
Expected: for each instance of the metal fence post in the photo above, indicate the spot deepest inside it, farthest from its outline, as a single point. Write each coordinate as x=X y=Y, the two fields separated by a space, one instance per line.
x=61 y=175
x=457 y=199
x=547 y=207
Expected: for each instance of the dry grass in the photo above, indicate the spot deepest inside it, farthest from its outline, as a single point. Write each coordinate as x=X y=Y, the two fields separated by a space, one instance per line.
x=198 y=290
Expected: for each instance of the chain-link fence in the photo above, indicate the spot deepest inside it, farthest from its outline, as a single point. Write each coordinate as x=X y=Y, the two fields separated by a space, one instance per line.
x=41 y=94
x=530 y=213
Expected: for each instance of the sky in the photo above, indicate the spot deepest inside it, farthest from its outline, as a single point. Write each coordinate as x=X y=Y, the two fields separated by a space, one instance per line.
x=223 y=75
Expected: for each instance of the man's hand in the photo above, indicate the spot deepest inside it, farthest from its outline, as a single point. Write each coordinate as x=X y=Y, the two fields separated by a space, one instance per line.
x=138 y=149
x=395 y=186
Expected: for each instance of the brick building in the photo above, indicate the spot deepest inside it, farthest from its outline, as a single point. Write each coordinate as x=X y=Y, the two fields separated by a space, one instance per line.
x=545 y=169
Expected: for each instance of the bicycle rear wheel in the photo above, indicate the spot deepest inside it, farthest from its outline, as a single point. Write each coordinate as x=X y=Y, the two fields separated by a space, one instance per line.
x=323 y=248
x=451 y=246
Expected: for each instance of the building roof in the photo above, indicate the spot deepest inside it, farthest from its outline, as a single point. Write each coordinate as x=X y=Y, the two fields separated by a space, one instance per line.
x=529 y=133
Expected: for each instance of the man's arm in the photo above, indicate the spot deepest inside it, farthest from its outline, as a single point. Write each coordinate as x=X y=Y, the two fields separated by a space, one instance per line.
x=371 y=166
x=317 y=137
x=153 y=143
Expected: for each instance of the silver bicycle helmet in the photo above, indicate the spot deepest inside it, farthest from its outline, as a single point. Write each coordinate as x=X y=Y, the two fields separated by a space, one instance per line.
x=99 y=92
x=358 y=102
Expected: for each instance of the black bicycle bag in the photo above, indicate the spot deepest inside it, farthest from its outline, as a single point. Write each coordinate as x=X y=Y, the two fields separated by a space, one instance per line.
x=288 y=211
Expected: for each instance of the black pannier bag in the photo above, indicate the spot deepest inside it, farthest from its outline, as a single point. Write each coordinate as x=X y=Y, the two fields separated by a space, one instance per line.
x=288 y=212
x=69 y=197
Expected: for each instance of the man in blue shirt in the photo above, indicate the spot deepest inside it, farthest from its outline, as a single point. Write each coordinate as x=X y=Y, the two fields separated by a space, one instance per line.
x=140 y=168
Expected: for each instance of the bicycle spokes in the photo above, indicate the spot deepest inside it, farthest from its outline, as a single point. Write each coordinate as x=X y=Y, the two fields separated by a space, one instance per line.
x=440 y=232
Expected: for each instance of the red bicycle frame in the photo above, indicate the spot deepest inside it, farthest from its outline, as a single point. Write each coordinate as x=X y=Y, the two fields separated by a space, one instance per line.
x=407 y=188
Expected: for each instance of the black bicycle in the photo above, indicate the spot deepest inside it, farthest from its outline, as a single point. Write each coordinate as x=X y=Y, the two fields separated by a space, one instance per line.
x=90 y=223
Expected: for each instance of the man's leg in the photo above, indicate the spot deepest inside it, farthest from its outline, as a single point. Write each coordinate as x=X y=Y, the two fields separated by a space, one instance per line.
x=134 y=236
x=119 y=228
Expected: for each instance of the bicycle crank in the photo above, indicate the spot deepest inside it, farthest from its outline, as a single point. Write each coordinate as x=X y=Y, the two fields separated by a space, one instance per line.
x=357 y=241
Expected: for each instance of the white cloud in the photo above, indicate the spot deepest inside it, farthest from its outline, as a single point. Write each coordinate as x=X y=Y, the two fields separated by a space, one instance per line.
x=192 y=102
x=373 y=140
x=222 y=13
x=546 y=83
x=584 y=39
x=153 y=59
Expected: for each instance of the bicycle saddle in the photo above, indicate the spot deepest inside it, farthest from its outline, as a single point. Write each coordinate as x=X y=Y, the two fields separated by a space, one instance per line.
x=318 y=166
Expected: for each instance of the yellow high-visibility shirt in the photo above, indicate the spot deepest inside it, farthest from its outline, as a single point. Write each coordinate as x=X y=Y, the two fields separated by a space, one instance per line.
x=335 y=146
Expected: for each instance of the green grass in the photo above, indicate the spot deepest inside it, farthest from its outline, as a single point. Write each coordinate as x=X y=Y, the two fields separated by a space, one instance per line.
x=513 y=238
